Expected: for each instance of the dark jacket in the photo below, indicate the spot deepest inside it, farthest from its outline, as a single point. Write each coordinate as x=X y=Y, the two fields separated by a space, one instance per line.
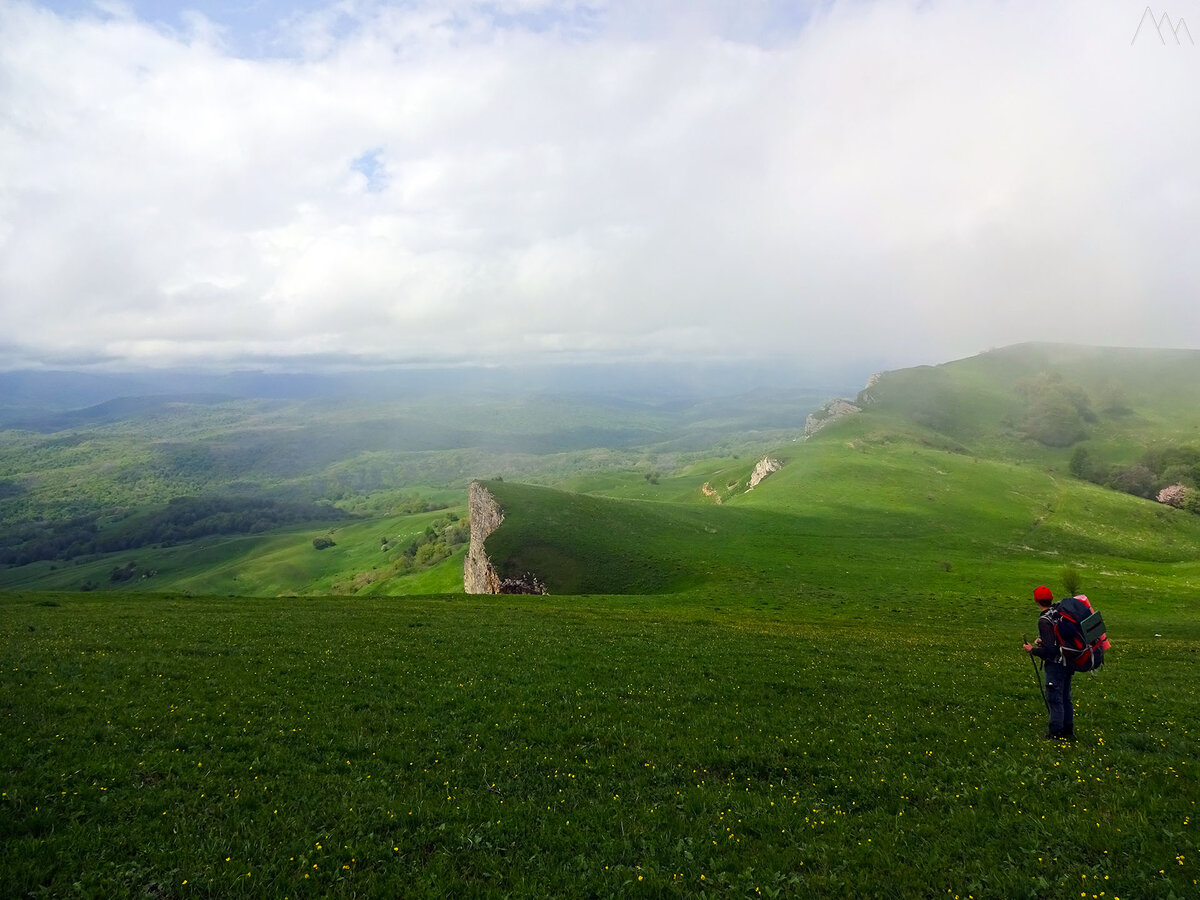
x=1049 y=649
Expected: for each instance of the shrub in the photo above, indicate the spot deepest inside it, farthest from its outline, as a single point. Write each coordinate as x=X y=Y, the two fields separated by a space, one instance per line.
x=430 y=553
x=1054 y=422
x=1175 y=495
x=1070 y=580
x=320 y=543
x=1056 y=412
x=123 y=573
x=1136 y=480
x=1114 y=401
x=459 y=533
x=1181 y=475
x=1084 y=465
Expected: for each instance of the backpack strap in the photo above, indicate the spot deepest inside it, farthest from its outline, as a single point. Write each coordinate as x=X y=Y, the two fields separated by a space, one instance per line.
x=1052 y=614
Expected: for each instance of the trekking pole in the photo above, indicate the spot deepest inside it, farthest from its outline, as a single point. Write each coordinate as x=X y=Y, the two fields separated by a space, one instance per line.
x=1036 y=676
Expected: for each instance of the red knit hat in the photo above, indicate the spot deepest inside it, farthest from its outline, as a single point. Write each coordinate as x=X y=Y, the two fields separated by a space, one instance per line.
x=1042 y=593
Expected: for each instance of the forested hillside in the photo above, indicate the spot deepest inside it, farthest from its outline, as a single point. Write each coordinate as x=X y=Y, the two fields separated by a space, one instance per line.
x=86 y=487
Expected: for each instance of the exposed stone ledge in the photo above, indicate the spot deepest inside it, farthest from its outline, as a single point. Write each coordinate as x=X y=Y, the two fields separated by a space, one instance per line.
x=479 y=575
x=766 y=466
x=830 y=412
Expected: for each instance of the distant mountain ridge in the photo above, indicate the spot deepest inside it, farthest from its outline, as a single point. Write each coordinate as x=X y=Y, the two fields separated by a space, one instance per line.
x=109 y=411
x=57 y=391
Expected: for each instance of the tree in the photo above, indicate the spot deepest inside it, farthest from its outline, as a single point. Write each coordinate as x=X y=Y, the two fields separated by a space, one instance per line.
x=1183 y=475
x=1136 y=480
x=431 y=553
x=1175 y=495
x=1054 y=421
x=1055 y=411
x=123 y=573
x=1084 y=465
x=1070 y=579
x=1114 y=401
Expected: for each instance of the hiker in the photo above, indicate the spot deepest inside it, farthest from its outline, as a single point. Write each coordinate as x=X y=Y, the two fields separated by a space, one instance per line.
x=1058 y=672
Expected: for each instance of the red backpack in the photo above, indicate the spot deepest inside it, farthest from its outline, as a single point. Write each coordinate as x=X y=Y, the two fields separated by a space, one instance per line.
x=1080 y=633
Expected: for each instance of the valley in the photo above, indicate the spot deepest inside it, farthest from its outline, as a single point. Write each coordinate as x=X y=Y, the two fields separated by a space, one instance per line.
x=811 y=688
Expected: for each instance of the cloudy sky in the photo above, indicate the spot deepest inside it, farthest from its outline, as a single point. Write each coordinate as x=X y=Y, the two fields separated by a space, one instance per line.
x=300 y=182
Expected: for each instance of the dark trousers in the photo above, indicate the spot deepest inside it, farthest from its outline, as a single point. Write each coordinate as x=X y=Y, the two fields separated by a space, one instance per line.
x=1058 y=699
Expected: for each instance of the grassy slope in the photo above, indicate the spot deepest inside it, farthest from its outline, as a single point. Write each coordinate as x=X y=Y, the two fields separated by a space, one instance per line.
x=932 y=490
x=830 y=702
x=973 y=400
x=851 y=516
x=582 y=747
x=281 y=562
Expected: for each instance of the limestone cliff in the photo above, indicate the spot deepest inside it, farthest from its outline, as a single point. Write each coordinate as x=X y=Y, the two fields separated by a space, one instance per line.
x=766 y=466
x=479 y=577
x=830 y=412
x=865 y=397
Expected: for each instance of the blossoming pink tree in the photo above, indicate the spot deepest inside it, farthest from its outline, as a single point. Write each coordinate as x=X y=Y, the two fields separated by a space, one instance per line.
x=1174 y=495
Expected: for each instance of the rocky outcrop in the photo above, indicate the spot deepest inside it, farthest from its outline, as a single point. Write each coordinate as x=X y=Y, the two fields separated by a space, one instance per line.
x=839 y=408
x=526 y=584
x=766 y=466
x=830 y=412
x=479 y=575
x=865 y=397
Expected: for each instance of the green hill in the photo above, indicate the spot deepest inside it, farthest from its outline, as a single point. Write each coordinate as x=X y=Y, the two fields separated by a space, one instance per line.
x=946 y=483
x=991 y=403
x=970 y=478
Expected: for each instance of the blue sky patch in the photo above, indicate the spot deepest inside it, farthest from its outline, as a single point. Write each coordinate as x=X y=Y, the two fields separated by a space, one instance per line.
x=370 y=166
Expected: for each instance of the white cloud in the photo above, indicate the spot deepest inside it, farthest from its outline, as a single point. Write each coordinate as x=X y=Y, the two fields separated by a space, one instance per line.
x=537 y=180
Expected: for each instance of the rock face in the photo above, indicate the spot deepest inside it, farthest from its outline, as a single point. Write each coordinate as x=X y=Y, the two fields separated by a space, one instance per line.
x=766 y=466
x=865 y=397
x=830 y=412
x=479 y=575
x=840 y=408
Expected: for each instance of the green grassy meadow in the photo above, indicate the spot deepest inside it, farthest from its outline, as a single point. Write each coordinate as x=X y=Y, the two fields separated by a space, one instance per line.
x=598 y=746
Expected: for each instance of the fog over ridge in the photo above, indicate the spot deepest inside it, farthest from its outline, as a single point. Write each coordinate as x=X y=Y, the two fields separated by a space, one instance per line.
x=454 y=183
